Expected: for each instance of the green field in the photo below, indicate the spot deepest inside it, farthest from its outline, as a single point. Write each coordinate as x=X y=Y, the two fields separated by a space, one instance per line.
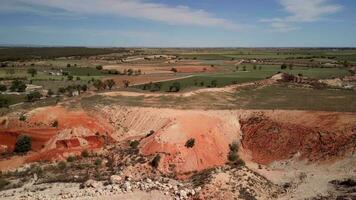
x=223 y=79
x=296 y=98
x=281 y=96
x=13 y=99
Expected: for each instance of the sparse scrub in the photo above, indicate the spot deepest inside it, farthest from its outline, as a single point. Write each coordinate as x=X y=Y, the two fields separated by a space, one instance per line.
x=155 y=162
x=190 y=143
x=98 y=162
x=71 y=159
x=233 y=156
x=23 y=144
x=134 y=144
x=62 y=165
x=85 y=154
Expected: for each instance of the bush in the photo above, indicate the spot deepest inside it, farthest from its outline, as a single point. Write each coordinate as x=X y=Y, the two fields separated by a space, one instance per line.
x=134 y=144
x=155 y=162
x=69 y=77
x=55 y=124
x=4 y=103
x=50 y=92
x=22 y=118
x=23 y=144
x=233 y=156
x=190 y=143
x=110 y=83
x=3 y=88
x=71 y=159
x=62 y=165
x=33 y=96
x=3 y=183
x=32 y=71
x=85 y=154
x=17 y=86
x=175 y=87
x=98 y=162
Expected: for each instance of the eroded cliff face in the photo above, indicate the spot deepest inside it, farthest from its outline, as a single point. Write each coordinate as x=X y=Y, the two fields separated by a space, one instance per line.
x=269 y=140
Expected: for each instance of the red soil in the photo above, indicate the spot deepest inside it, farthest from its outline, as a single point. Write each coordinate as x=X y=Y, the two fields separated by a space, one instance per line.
x=210 y=149
x=51 y=143
x=270 y=141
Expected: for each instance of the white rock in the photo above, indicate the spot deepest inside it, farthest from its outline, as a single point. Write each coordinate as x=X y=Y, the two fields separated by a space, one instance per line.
x=115 y=179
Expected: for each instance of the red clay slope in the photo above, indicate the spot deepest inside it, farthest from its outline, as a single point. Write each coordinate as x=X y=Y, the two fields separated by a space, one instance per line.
x=270 y=141
x=50 y=142
x=212 y=138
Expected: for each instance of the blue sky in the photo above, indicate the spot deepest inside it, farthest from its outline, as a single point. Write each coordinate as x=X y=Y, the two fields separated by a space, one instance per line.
x=179 y=23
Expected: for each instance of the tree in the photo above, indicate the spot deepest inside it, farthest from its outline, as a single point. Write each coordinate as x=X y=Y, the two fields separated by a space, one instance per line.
x=23 y=144
x=3 y=88
x=190 y=143
x=33 y=96
x=244 y=68
x=32 y=71
x=110 y=83
x=61 y=90
x=155 y=162
x=130 y=72
x=98 y=84
x=50 y=92
x=4 y=103
x=84 y=88
x=70 y=77
x=99 y=67
x=214 y=83
x=175 y=87
x=284 y=66
x=254 y=67
x=126 y=83
x=291 y=66
x=17 y=86
x=174 y=70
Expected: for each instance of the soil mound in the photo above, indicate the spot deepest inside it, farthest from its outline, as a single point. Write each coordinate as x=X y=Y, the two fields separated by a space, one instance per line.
x=55 y=131
x=211 y=136
x=270 y=140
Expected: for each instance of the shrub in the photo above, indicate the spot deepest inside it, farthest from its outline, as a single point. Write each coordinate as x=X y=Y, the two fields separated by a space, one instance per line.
x=3 y=183
x=50 y=92
x=190 y=143
x=22 y=118
x=233 y=156
x=110 y=83
x=85 y=154
x=17 y=86
x=175 y=87
x=32 y=71
x=4 y=103
x=98 y=162
x=155 y=162
x=3 y=88
x=71 y=159
x=69 y=77
x=33 y=96
x=134 y=144
x=55 y=124
x=62 y=165
x=150 y=133
x=23 y=144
